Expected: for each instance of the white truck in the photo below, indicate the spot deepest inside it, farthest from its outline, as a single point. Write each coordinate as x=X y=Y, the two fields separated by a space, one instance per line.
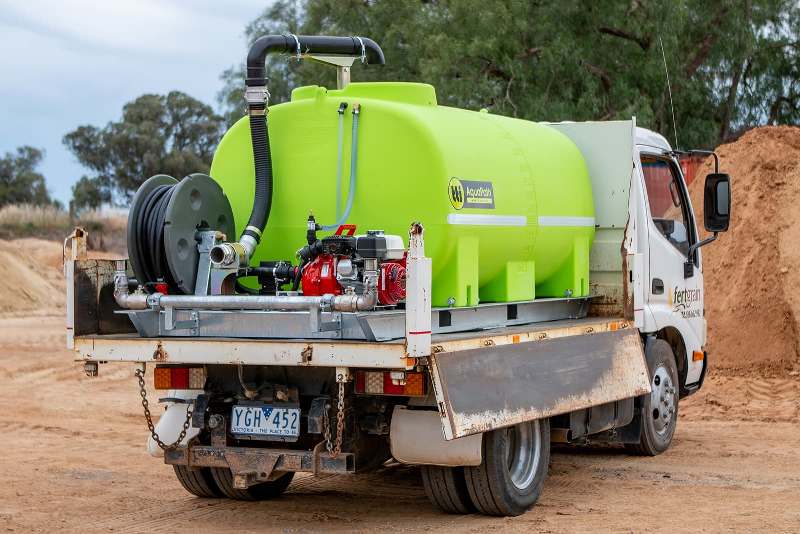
x=474 y=395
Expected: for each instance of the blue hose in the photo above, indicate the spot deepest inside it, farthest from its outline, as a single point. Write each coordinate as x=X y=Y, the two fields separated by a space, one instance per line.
x=351 y=193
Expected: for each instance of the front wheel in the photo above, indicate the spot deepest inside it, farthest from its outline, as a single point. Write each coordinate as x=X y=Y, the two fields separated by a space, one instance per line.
x=510 y=478
x=659 y=409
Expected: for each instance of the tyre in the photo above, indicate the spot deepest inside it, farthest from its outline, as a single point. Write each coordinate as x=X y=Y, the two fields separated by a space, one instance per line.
x=259 y=492
x=447 y=489
x=510 y=478
x=659 y=409
x=198 y=482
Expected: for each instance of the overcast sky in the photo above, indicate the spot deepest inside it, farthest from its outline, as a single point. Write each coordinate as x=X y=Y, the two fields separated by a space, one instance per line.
x=64 y=63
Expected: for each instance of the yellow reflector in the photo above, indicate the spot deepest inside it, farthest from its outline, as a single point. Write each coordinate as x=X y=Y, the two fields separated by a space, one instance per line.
x=162 y=378
x=415 y=384
x=697 y=356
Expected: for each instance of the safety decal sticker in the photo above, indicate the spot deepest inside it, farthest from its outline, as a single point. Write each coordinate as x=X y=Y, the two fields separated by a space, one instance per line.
x=470 y=194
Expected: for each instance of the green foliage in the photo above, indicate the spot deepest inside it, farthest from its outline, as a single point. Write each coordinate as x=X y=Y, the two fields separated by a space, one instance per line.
x=89 y=194
x=19 y=181
x=173 y=134
x=732 y=65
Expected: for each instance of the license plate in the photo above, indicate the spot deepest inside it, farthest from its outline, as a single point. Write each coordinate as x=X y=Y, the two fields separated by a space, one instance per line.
x=265 y=420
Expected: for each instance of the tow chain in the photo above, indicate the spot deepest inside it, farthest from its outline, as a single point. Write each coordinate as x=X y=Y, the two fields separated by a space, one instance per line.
x=149 y=419
x=334 y=448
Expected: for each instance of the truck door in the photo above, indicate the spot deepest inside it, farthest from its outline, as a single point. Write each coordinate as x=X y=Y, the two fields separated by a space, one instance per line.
x=673 y=298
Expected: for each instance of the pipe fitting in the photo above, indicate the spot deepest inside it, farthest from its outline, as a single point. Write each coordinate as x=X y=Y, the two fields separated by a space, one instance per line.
x=249 y=244
x=355 y=303
x=228 y=255
x=256 y=95
x=123 y=298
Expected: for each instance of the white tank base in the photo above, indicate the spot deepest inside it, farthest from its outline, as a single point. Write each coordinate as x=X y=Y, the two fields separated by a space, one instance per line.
x=416 y=438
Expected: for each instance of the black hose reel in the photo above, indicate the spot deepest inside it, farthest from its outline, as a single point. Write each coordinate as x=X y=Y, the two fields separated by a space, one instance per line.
x=165 y=219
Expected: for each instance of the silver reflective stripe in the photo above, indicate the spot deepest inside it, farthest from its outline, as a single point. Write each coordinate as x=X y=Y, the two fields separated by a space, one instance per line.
x=487 y=220
x=566 y=221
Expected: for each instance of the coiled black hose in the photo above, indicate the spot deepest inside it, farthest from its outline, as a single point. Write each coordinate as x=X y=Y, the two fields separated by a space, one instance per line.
x=262 y=158
x=149 y=236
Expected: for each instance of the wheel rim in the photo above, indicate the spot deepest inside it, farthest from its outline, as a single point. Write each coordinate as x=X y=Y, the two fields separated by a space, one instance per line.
x=662 y=400
x=523 y=453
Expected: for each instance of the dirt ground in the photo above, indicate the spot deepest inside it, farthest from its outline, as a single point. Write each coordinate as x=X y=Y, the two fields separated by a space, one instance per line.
x=75 y=457
x=74 y=461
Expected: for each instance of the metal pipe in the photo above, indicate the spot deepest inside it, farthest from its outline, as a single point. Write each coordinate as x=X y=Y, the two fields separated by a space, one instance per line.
x=236 y=302
x=341 y=303
x=328 y=302
x=125 y=299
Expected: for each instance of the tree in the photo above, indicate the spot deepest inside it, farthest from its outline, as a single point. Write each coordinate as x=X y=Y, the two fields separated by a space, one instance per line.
x=89 y=193
x=173 y=134
x=20 y=183
x=732 y=65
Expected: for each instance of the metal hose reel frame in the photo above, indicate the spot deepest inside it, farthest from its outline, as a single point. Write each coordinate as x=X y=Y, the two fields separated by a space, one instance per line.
x=168 y=240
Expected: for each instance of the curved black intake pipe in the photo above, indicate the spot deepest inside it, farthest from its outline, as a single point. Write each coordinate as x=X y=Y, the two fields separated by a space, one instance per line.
x=312 y=44
x=262 y=158
x=257 y=109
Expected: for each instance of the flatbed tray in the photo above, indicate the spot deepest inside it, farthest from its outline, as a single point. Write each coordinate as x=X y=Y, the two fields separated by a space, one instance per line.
x=389 y=354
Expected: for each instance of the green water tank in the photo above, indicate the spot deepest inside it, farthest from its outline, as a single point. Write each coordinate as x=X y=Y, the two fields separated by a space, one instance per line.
x=506 y=204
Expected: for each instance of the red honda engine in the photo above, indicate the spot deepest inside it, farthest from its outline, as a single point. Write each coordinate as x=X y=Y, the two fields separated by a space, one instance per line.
x=392 y=282
x=353 y=263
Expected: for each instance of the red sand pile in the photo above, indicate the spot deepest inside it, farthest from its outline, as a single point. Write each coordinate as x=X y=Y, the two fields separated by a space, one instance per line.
x=752 y=273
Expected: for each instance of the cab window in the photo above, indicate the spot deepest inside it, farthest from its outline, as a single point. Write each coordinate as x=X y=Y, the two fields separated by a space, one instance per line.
x=667 y=206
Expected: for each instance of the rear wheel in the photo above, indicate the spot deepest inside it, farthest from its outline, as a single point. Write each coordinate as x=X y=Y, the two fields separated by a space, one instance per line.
x=259 y=492
x=510 y=478
x=447 y=489
x=659 y=409
x=197 y=481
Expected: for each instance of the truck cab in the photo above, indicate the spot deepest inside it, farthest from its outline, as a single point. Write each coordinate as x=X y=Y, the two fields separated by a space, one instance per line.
x=674 y=308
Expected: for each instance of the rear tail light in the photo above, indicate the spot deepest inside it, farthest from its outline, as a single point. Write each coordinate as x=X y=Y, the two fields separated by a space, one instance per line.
x=179 y=377
x=403 y=383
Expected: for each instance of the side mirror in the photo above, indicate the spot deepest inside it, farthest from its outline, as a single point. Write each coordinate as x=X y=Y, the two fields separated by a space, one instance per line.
x=717 y=202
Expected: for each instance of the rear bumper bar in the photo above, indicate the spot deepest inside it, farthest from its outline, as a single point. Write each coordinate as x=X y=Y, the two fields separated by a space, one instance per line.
x=251 y=465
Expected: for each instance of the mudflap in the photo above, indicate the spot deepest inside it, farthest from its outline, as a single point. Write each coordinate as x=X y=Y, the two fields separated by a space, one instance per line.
x=495 y=386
